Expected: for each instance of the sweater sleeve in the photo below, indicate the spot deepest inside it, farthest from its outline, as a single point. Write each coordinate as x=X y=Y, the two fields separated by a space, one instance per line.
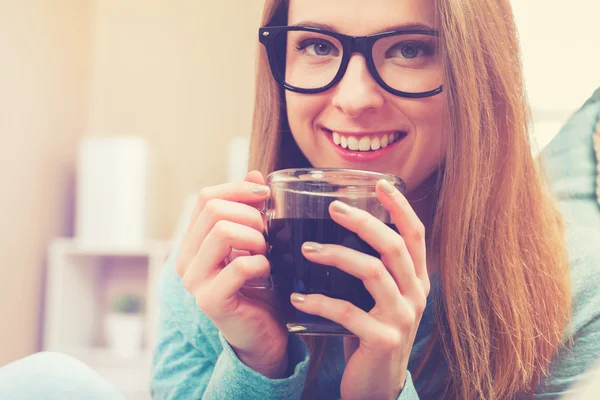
x=193 y=361
x=409 y=392
x=581 y=351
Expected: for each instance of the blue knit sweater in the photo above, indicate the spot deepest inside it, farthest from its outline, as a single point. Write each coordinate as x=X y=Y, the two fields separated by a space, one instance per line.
x=193 y=361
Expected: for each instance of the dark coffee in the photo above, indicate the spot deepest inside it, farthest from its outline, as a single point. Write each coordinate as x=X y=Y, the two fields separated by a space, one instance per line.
x=292 y=272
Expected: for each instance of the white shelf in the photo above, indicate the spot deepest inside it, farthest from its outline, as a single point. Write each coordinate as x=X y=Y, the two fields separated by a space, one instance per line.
x=74 y=247
x=75 y=305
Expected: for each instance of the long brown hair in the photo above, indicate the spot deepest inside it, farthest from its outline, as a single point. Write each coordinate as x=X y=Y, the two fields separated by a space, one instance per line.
x=498 y=235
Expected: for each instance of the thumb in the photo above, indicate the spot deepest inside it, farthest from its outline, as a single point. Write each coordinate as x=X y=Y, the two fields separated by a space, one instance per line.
x=255 y=177
x=350 y=346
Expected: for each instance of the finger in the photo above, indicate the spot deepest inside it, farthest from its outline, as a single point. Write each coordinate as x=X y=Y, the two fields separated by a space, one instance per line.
x=232 y=278
x=241 y=192
x=257 y=178
x=350 y=346
x=370 y=270
x=235 y=253
x=251 y=192
x=342 y=312
x=214 y=211
x=387 y=242
x=408 y=223
x=217 y=246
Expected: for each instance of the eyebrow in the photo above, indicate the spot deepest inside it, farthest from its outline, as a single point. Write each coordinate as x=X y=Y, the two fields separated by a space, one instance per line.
x=402 y=27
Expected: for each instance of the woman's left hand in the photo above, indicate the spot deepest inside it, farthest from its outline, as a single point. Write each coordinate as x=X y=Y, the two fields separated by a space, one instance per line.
x=376 y=365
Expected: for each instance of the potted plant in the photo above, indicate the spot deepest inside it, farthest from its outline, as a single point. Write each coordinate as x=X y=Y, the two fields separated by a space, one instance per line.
x=124 y=325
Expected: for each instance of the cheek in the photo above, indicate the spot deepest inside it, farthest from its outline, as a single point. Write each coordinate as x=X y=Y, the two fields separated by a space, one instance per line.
x=430 y=114
x=294 y=110
x=302 y=110
x=429 y=119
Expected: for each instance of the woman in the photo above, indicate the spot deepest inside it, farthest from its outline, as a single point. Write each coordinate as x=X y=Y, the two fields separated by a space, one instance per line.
x=511 y=309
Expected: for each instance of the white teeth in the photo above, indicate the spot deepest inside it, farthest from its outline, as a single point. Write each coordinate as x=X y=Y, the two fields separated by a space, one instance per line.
x=336 y=138
x=384 y=141
x=375 y=143
x=353 y=143
x=364 y=143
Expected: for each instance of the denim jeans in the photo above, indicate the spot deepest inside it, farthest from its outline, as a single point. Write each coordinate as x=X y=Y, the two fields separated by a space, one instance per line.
x=53 y=376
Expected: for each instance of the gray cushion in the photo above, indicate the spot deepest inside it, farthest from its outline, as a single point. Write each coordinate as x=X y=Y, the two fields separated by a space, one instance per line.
x=571 y=163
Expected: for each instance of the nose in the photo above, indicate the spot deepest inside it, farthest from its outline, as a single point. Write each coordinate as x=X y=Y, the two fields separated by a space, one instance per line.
x=357 y=92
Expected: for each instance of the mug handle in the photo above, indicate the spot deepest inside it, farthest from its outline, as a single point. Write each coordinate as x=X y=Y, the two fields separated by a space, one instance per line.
x=260 y=283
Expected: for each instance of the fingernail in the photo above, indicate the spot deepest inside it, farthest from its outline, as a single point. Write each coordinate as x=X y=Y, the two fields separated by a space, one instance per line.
x=340 y=207
x=312 y=247
x=260 y=190
x=297 y=298
x=387 y=187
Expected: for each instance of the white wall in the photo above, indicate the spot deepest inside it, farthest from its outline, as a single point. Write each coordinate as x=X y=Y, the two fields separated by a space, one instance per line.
x=181 y=75
x=44 y=59
x=560 y=43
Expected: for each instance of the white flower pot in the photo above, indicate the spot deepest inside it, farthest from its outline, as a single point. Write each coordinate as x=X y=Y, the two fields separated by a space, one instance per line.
x=124 y=333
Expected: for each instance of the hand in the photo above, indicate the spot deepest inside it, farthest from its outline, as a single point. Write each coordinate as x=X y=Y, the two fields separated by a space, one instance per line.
x=377 y=359
x=226 y=217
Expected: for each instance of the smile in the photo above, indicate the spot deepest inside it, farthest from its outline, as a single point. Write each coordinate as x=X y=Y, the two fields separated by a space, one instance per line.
x=365 y=142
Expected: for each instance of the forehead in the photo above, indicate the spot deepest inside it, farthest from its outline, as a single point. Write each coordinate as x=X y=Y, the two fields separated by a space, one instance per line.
x=362 y=17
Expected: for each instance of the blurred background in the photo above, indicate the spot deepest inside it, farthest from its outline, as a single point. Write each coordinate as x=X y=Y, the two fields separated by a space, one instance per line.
x=114 y=113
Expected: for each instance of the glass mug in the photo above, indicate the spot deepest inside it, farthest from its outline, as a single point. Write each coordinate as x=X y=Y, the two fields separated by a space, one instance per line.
x=298 y=212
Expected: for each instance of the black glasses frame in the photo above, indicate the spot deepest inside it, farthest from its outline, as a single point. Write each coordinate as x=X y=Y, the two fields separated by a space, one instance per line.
x=350 y=45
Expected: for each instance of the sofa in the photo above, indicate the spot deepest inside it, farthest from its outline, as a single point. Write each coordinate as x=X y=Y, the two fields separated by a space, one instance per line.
x=571 y=160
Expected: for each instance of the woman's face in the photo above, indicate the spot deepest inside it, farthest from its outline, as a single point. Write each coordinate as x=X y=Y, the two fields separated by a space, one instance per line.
x=358 y=107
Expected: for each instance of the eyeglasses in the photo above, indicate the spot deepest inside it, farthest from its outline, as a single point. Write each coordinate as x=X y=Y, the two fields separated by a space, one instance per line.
x=311 y=60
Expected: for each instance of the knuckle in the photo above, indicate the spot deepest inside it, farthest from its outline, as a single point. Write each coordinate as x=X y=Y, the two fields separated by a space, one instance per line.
x=213 y=208
x=242 y=266
x=418 y=234
x=221 y=228
x=398 y=247
x=263 y=265
x=389 y=339
x=203 y=197
x=263 y=260
x=410 y=317
x=420 y=304
x=346 y=311
x=374 y=271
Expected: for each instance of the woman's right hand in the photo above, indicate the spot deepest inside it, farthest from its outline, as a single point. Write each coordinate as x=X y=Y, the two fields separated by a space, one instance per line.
x=225 y=218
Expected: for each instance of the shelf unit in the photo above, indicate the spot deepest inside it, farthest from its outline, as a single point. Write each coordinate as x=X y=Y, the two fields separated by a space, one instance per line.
x=78 y=282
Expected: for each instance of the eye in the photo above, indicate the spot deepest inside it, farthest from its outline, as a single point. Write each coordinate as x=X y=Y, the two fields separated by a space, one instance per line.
x=408 y=50
x=318 y=47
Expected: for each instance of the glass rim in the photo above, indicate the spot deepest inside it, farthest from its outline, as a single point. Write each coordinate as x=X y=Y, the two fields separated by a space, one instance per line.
x=358 y=177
